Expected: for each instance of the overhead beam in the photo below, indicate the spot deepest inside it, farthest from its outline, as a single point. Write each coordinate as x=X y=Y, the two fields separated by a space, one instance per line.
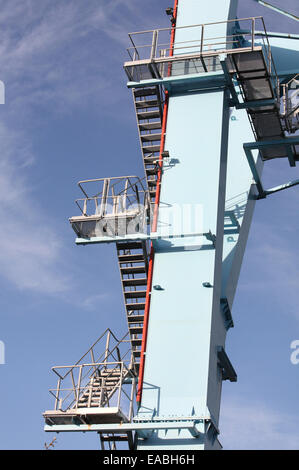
x=276 y=189
x=190 y=425
x=288 y=143
x=278 y=10
x=269 y=34
x=142 y=236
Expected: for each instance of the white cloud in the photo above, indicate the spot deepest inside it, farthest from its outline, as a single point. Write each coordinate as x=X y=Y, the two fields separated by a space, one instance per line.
x=274 y=266
x=55 y=57
x=48 y=57
x=93 y=301
x=29 y=249
x=59 y=52
x=256 y=426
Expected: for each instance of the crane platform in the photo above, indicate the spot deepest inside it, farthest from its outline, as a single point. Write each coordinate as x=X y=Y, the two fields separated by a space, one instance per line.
x=119 y=207
x=184 y=94
x=97 y=390
x=85 y=416
x=247 y=63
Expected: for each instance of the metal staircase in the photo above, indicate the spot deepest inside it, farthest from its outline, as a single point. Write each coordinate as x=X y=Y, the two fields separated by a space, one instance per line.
x=102 y=387
x=290 y=105
x=121 y=207
x=243 y=53
x=97 y=390
x=148 y=108
x=133 y=267
x=259 y=86
x=116 y=206
x=133 y=255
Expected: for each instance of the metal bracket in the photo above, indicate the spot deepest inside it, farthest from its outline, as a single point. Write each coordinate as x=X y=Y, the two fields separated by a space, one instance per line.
x=211 y=237
x=288 y=143
x=143 y=236
x=229 y=81
x=191 y=423
x=229 y=323
x=143 y=428
x=228 y=372
x=234 y=227
x=235 y=100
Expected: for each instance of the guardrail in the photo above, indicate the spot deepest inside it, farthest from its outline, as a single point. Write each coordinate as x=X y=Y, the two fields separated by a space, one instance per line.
x=76 y=380
x=199 y=52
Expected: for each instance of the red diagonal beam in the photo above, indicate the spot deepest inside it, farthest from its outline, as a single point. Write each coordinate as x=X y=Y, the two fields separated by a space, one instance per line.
x=154 y=225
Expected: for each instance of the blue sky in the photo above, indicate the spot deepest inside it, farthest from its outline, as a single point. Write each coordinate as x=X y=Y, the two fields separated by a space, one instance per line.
x=69 y=116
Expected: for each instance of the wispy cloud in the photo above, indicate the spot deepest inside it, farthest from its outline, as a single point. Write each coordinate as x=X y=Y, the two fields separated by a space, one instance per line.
x=29 y=249
x=273 y=266
x=257 y=426
x=59 y=52
x=54 y=56
x=92 y=301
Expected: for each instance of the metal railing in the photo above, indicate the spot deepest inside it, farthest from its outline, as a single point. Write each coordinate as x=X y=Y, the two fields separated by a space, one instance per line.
x=206 y=40
x=154 y=44
x=290 y=104
x=77 y=383
x=118 y=206
x=115 y=195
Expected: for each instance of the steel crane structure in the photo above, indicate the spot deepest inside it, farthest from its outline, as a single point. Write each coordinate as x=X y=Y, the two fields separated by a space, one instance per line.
x=216 y=98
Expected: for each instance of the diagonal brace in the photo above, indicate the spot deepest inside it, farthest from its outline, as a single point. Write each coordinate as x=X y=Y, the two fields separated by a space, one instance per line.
x=278 y=10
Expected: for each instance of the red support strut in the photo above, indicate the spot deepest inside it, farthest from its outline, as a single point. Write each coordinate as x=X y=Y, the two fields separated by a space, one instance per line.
x=155 y=221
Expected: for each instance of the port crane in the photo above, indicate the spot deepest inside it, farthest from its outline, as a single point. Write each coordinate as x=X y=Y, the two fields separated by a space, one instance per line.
x=216 y=99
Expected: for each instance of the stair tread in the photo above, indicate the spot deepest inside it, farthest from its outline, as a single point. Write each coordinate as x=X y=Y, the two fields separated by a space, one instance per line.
x=137 y=330
x=145 y=91
x=108 y=379
x=129 y=245
x=135 y=282
x=151 y=148
x=96 y=387
x=110 y=371
x=150 y=137
x=131 y=257
x=151 y=171
x=147 y=126
x=148 y=114
x=114 y=438
x=152 y=103
x=136 y=306
x=135 y=319
x=150 y=160
x=132 y=269
x=135 y=294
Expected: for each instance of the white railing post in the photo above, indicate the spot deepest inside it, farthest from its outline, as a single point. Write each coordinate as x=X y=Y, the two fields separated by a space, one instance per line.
x=120 y=385
x=107 y=349
x=154 y=45
x=57 y=393
x=202 y=39
x=104 y=196
x=131 y=409
x=79 y=385
x=252 y=33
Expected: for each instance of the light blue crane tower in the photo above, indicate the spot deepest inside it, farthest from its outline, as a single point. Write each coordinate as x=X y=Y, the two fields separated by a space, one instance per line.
x=211 y=108
x=190 y=314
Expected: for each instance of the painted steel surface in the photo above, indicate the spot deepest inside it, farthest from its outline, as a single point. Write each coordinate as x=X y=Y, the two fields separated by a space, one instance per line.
x=185 y=323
